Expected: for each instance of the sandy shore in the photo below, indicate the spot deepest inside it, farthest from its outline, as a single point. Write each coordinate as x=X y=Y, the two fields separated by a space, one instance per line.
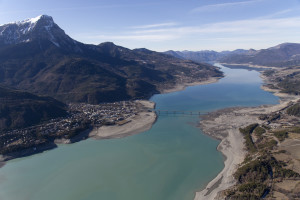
x=224 y=125
x=138 y=123
x=182 y=86
x=250 y=65
x=141 y=122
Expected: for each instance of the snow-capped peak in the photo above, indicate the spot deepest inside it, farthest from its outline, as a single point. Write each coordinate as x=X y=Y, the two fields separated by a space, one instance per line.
x=36 y=29
x=30 y=20
x=36 y=19
x=21 y=31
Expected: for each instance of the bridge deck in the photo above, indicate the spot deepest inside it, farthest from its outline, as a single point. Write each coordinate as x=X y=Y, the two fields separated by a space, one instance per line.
x=180 y=112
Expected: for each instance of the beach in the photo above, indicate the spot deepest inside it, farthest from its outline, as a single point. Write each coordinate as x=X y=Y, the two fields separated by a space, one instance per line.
x=249 y=65
x=140 y=122
x=182 y=86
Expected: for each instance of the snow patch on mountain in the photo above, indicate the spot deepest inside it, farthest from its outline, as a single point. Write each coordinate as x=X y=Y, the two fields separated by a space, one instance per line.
x=22 y=31
x=37 y=29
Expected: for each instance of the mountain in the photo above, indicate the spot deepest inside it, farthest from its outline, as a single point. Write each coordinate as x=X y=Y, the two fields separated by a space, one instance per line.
x=207 y=56
x=39 y=28
x=286 y=54
x=21 y=109
x=196 y=56
x=37 y=56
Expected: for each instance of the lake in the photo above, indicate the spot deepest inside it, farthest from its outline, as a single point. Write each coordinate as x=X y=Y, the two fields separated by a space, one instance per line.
x=169 y=162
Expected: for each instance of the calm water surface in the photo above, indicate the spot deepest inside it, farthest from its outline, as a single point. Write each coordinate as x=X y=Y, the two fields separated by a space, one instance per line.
x=169 y=162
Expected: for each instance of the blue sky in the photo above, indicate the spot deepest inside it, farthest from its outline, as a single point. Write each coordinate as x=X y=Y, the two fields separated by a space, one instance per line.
x=168 y=24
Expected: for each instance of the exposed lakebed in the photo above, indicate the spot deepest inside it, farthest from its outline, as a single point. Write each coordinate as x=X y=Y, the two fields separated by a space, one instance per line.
x=170 y=161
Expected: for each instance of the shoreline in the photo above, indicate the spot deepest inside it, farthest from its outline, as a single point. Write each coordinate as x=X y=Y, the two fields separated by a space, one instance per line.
x=224 y=125
x=183 y=86
x=139 y=123
x=136 y=124
x=250 y=66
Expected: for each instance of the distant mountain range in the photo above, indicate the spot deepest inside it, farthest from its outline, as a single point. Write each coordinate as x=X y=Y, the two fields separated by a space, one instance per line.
x=283 y=55
x=206 y=55
x=37 y=56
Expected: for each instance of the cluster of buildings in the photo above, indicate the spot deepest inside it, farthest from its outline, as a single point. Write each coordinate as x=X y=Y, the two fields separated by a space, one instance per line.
x=104 y=114
x=81 y=116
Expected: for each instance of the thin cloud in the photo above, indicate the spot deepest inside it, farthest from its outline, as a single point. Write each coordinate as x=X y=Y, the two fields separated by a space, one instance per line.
x=155 y=25
x=133 y=37
x=252 y=28
x=222 y=6
x=279 y=13
x=239 y=26
x=253 y=25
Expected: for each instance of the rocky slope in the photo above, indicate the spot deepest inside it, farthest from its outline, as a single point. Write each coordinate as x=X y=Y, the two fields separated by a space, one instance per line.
x=21 y=109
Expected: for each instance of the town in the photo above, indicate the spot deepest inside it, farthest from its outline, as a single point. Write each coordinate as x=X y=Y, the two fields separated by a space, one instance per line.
x=81 y=116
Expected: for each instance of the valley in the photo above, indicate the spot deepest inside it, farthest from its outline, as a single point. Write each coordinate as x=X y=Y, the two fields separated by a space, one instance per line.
x=56 y=91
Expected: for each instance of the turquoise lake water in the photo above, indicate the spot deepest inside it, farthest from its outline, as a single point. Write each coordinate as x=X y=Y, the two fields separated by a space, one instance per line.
x=169 y=162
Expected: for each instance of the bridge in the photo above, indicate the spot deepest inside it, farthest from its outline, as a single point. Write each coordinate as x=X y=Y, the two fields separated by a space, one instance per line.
x=179 y=112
